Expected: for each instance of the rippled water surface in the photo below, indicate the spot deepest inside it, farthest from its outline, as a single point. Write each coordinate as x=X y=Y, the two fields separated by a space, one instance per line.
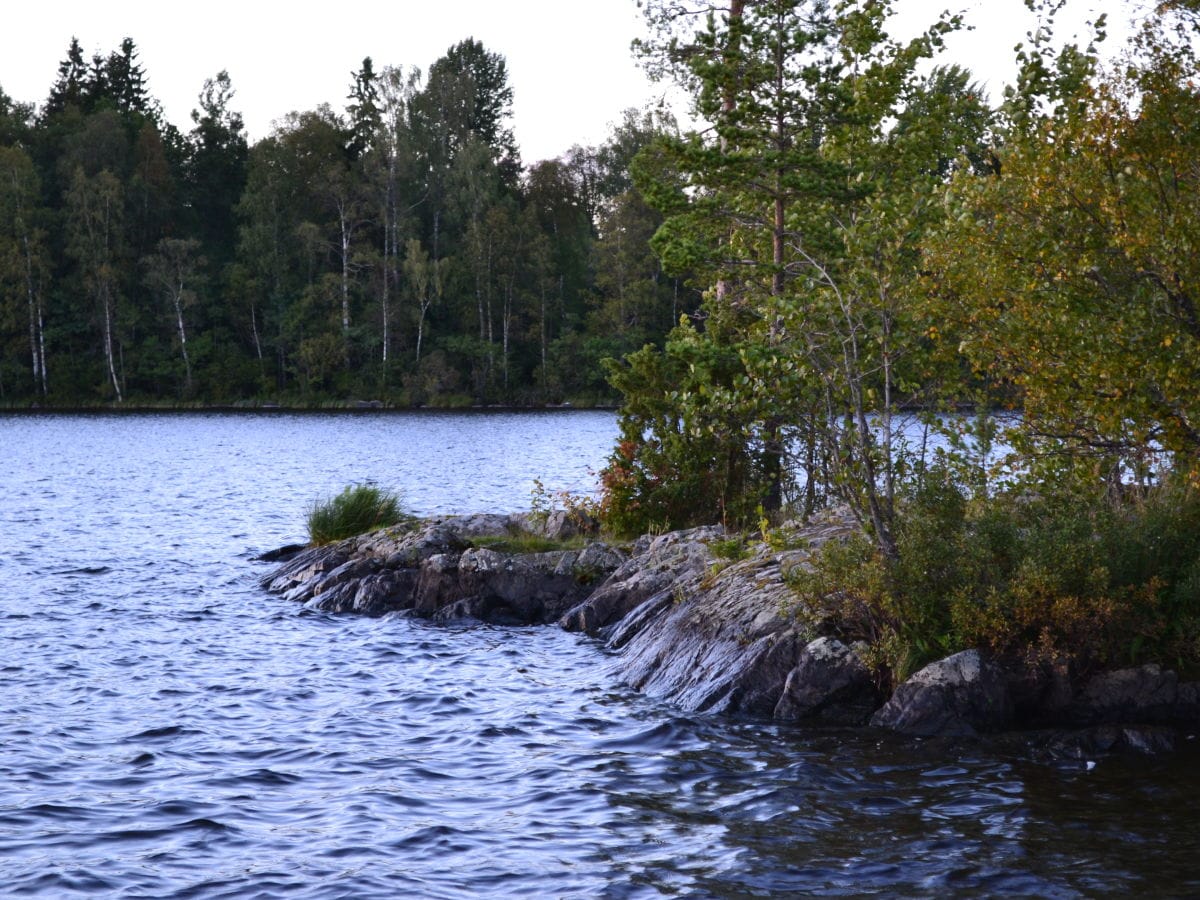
x=167 y=729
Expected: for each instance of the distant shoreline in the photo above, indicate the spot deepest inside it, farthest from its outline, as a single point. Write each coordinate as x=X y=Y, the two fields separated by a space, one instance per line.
x=281 y=408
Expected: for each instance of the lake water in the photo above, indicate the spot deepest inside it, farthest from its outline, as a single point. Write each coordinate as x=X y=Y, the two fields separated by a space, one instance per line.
x=167 y=729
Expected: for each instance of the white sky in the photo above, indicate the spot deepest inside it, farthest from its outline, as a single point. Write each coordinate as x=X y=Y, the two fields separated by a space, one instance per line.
x=569 y=62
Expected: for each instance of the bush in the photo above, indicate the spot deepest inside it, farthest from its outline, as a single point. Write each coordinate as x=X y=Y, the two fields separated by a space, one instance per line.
x=359 y=508
x=1050 y=576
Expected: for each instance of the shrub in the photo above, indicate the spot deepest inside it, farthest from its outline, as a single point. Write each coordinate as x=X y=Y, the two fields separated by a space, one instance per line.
x=1053 y=575
x=359 y=508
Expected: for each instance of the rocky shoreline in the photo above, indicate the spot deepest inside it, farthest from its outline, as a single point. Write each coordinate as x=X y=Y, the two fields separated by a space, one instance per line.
x=715 y=635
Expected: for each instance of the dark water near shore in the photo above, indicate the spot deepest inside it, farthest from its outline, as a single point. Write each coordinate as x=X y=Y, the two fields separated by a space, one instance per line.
x=169 y=730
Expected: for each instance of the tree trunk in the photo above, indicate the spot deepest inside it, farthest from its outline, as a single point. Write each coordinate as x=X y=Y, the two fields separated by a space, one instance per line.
x=424 y=306
x=177 y=297
x=108 y=341
x=41 y=331
x=36 y=343
x=345 y=286
x=385 y=275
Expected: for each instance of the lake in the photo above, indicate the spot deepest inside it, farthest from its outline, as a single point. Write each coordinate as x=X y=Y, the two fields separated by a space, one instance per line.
x=169 y=729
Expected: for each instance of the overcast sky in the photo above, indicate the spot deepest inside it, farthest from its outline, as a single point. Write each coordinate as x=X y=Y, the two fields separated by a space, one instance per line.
x=569 y=62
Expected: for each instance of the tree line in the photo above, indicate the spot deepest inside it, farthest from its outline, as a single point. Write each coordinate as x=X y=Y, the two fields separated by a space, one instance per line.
x=397 y=249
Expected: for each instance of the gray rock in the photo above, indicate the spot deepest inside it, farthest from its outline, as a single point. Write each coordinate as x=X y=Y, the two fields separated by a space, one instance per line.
x=1187 y=705
x=963 y=694
x=558 y=524
x=384 y=592
x=323 y=582
x=1146 y=694
x=282 y=554
x=305 y=566
x=1097 y=741
x=432 y=569
x=829 y=684
x=1041 y=690
x=717 y=642
x=561 y=525
x=657 y=564
x=479 y=525
x=705 y=633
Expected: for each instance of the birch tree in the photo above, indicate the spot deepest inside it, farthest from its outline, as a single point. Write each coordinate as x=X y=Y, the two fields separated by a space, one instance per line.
x=426 y=283
x=394 y=155
x=171 y=271
x=24 y=261
x=94 y=232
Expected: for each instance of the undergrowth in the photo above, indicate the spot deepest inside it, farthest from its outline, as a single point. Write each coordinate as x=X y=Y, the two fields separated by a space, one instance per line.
x=1056 y=576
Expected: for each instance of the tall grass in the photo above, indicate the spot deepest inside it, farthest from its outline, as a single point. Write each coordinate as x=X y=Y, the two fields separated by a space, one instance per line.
x=359 y=508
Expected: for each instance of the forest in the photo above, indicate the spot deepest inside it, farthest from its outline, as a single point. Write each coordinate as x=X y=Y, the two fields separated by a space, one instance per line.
x=397 y=250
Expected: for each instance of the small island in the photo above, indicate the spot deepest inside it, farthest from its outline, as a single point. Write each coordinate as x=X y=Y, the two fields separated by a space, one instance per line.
x=716 y=624
x=939 y=393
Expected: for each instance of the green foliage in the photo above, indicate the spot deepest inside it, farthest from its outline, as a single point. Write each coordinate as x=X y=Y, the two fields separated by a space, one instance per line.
x=1051 y=576
x=683 y=457
x=1071 y=275
x=731 y=548
x=800 y=212
x=528 y=543
x=583 y=510
x=359 y=508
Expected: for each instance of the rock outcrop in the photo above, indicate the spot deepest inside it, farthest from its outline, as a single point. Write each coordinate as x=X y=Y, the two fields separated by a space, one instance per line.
x=1146 y=694
x=707 y=633
x=712 y=634
x=658 y=569
x=444 y=569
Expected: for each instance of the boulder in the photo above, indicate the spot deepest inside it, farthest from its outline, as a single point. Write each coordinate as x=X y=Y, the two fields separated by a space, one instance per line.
x=1146 y=694
x=1097 y=741
x=1187 y=705
x=558 y=524
x=963 y=694
x=384 y=592
x=830 y=685
x=1040 y=689
x=282 y=554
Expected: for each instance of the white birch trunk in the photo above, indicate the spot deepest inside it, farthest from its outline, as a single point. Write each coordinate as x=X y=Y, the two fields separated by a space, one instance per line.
x=108 y=343
x=177 y=298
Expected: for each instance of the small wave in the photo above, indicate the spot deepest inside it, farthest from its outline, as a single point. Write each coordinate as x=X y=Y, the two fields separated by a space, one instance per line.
x=166 y=731
x=264 y=777
x=442 y=837
x=82 y=570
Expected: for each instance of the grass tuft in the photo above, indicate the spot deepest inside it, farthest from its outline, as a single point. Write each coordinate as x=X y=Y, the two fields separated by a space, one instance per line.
x=359 y=508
